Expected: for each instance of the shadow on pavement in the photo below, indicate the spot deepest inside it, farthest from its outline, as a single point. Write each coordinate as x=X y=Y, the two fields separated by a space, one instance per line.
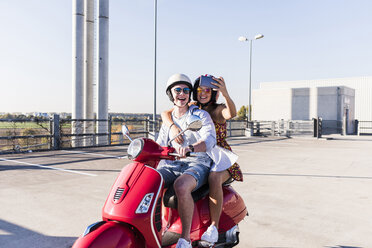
x=31 y=167
x=12 y=235
x=71 y=153
x=342 y=246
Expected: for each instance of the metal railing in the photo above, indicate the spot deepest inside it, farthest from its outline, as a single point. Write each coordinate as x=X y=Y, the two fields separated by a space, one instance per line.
x=19 y=134
x=281 y=128
x=55 y=133
x=364 y=127
x=83 y=132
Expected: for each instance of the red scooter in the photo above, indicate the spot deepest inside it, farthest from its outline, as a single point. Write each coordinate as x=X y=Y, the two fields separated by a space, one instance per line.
x=140 y=213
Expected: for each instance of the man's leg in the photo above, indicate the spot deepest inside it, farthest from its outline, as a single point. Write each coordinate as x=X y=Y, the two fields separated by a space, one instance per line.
x=183 y=187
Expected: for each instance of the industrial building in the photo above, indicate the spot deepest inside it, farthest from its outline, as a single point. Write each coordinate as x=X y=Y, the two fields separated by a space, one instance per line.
x=341 y=100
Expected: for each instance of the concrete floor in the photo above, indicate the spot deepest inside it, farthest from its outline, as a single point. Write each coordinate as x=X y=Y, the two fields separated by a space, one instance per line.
x=300 y=192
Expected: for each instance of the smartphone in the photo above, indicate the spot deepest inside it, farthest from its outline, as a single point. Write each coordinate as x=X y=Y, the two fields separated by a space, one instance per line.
x=206 y=82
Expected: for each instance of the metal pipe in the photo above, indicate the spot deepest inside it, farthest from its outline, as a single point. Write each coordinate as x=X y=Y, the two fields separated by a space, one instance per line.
x=88 y=68
x=250 y=83
x=103 y=43
x=77 y=65
x=155 y=40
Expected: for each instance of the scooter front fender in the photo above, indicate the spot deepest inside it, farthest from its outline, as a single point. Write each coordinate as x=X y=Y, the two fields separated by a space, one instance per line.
x=110 y=234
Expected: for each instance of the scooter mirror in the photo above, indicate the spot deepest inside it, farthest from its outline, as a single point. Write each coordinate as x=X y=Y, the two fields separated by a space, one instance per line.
x=125 y=131
x=194 y=123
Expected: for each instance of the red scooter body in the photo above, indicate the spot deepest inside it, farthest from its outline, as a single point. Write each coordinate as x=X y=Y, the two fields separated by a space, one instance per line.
x=134 y=214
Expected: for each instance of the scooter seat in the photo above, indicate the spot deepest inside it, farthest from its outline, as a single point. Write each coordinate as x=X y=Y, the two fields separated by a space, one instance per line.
x=170 y=198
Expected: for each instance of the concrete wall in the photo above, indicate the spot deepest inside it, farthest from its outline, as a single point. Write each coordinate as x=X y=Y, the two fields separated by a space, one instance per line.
x=271 y=104
x=300 y=107
x=348 y=106
x=328 y=101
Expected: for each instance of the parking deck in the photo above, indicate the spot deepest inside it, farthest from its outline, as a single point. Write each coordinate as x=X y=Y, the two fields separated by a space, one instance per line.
x=300 y=192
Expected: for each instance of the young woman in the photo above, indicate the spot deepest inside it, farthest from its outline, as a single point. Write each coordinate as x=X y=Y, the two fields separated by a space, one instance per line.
x=206 y=98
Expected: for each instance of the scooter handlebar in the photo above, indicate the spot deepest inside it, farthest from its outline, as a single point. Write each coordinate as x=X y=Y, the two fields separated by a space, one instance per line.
x=188 y=154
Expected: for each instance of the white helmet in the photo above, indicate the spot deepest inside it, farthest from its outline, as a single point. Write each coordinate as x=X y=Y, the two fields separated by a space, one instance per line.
x=175 y=79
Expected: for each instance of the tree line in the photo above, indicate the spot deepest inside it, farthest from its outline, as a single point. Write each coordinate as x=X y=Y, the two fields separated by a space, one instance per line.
x=241 y=115
x=21 y=117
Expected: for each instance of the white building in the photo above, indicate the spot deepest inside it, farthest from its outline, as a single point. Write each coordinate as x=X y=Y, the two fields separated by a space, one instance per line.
x=341 y=100
x=361 y=85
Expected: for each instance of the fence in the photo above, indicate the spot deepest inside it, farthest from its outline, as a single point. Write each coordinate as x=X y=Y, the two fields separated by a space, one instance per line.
x=282 y=128
x=55 y=133
x=19 y=134
x=364 y=127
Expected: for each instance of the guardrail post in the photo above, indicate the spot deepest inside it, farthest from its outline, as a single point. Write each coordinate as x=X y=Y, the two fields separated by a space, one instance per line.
x=95 y=131
x=356 y=127
x=258 y=129
x=56 y=132
x=147 y=130
x=287 y=128
x=319 y=129
x=249 y=130
x=51 y=132
x=110 y=129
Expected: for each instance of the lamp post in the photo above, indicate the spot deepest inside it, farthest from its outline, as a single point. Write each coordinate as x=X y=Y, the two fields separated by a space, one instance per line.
x=242 y=38
x=155 y=38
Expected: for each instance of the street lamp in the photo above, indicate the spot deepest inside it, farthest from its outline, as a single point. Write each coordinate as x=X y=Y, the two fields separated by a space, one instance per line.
x=242 y=38
x=155 y=40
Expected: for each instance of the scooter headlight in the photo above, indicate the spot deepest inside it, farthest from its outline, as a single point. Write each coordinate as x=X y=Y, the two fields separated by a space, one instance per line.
x=135 y=148
x=144 y=206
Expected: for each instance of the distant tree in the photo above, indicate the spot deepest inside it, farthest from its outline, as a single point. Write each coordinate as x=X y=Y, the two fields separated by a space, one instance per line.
x=7 y=116
x=21 y=117
x=242 y=113
x=116 y=119
x=28 y=141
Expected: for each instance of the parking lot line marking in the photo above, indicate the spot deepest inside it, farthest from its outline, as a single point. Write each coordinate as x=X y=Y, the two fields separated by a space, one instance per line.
x=95 y=154
x=47 y=167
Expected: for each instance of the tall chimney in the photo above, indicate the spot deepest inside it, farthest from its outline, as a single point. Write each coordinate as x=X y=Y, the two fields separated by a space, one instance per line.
x=102 y=93
x=88 y=70
x=77 y=67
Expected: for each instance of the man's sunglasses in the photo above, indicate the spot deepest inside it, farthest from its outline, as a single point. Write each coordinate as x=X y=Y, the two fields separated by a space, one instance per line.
x=206 y=90
x=179 y=90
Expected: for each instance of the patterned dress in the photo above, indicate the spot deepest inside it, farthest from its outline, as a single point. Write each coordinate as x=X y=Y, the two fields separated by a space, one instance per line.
x=221 y=132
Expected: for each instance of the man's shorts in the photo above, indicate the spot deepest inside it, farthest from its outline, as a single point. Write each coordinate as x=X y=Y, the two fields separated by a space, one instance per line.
x=170 y=172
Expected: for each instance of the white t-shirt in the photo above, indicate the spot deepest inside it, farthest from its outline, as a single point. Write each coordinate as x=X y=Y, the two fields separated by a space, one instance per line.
x=207 y=133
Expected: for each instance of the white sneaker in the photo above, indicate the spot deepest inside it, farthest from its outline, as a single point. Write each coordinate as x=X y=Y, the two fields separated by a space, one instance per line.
x=211 y=235
x=183 y=243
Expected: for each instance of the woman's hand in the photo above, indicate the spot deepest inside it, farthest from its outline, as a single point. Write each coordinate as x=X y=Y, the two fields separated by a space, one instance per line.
x=229 y=111
x=221 y=86
x=174 y=131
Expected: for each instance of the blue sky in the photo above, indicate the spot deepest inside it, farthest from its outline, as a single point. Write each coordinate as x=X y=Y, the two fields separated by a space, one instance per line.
x=304 y=39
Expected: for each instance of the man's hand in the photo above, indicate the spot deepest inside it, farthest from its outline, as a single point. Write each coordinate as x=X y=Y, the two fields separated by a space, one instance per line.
x=174 y=131
x=182 y=151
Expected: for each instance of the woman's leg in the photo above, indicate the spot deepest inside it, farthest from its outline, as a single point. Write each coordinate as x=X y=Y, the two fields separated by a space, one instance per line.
x=215 y=180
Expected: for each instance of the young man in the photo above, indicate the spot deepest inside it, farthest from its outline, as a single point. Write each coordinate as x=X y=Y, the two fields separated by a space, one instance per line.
x=188 y=173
